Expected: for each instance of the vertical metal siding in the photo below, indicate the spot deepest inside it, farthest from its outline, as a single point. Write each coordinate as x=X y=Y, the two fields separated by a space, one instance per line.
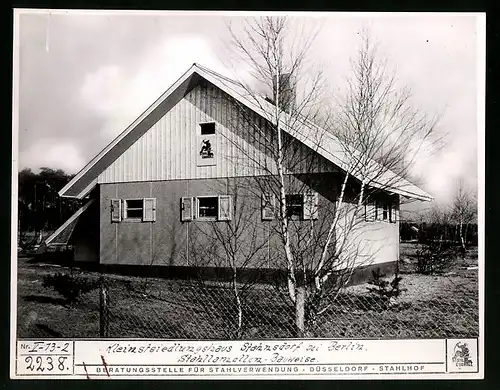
x=169 y=149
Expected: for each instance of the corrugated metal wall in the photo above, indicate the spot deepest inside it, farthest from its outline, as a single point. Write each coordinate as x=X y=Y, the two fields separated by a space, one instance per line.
x=169 y=149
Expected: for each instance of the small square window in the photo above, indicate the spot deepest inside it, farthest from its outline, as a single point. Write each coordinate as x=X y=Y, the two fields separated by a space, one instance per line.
x=294 y=206
x=208 y=207
x=207 y=128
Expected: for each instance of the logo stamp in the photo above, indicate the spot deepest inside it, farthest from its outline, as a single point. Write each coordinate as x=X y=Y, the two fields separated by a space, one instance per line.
x=462 y=355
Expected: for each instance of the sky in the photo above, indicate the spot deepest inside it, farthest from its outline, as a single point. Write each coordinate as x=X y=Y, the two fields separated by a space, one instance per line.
x=83 y=77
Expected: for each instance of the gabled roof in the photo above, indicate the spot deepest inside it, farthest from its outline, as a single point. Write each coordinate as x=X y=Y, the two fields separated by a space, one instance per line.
x=318 y=139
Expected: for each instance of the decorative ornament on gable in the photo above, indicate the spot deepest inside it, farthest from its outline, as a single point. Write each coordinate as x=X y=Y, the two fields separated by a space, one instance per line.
x=207 y=145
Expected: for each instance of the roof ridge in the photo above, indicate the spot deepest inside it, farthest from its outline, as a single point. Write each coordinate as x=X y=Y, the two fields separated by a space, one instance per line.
x=229 y=86
x=204 y=68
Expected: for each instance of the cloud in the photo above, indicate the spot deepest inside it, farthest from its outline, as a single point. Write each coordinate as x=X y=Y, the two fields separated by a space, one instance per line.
x=104 y=71
x=52 y=153
x=122 y=96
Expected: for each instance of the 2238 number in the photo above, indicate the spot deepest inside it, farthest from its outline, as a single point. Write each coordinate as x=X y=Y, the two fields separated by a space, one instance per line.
x=46 y=363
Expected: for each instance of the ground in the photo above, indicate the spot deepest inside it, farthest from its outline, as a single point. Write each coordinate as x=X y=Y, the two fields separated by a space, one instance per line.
x=430 y=306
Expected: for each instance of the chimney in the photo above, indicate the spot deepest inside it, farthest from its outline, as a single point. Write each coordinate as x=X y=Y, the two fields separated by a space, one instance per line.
x=286 y=91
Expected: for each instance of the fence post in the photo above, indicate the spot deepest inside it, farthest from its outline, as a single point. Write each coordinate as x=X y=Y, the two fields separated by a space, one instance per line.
x=103 y=310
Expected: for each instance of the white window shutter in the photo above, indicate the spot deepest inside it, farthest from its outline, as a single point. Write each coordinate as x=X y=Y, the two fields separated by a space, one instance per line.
x=370 y=212
x=149 y=210
x=116 y=210
x=225 y=203
x=268 y=207
x=393 y=213
x=379 y=211
x=310 y=205
x=186 y=208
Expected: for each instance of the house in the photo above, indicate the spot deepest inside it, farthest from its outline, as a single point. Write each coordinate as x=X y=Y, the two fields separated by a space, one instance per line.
x=154 y=189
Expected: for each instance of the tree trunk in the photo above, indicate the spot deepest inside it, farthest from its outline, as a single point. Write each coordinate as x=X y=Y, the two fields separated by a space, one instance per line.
x=331 y=232
x=300 y=294
x=238 y=303
x=462 y=241
x=285 y=234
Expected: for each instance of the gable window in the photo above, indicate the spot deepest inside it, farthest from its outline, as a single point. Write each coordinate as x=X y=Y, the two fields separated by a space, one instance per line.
x=207 y=128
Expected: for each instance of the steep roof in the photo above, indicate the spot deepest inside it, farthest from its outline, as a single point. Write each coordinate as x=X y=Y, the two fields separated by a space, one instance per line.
x=317 y=138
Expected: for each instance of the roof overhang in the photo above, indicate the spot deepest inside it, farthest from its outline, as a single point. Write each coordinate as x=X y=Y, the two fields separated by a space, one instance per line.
x=86 y=179
x=68 y=225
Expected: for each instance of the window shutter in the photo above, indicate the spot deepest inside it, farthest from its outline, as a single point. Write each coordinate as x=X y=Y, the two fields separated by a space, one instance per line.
x=379 y=211
x=310 y=209
x=393 y=213
x=268 y=207
x=149 y=210
x=224 y=208
x=370 y=212
x=116 y=210
x=186 y=208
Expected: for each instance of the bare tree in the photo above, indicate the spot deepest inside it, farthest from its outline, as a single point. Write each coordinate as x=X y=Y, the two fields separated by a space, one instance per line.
x=277 y=62
x=236 y=245
x=379 y=131
x=464 y=211
x=376 y=137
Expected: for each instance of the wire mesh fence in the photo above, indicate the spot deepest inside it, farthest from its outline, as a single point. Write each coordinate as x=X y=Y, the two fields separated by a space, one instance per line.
x=429 y=306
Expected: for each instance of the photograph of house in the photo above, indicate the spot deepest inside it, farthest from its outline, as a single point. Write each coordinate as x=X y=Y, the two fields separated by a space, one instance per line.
x=220 y=176
x=147 y=188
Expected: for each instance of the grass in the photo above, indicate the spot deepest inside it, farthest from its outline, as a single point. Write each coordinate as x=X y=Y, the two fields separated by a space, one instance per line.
x=432 y=306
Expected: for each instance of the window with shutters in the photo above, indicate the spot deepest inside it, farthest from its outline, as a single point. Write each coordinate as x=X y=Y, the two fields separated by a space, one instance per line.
x=139 y=210
x=381 y=211
x=133 y=209
x=206 y=208
x=298 y=206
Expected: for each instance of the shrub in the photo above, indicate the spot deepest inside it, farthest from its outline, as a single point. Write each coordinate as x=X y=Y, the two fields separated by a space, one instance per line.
x=70 y=286
x=435 y=256
x=385 y=289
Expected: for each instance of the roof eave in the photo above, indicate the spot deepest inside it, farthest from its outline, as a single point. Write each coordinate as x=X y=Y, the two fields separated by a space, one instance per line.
x=63 y=192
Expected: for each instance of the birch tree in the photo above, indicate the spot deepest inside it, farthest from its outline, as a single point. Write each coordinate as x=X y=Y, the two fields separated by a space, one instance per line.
x=380 y=135
x=464 y=211
x=235 y=245
x=376 y=134
x=277 y=62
